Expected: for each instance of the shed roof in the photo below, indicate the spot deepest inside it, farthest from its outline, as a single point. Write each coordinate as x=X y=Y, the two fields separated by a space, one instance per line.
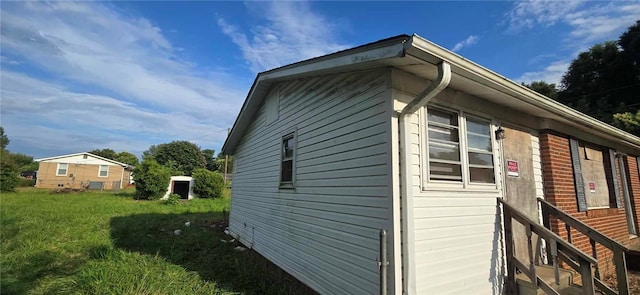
x=419 y=56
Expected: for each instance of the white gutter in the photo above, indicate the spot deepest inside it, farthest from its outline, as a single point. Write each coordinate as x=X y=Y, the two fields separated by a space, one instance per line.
x=485 y=76
x=408 y=243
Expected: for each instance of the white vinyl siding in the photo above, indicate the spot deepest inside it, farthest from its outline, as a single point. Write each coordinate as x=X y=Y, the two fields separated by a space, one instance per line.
x=456 y=230
x=103 y=171
x=62 y=169
x=325 y=230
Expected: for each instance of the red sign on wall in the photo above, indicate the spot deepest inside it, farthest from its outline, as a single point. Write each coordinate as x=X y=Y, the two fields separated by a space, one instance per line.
x=512 y=168
x=592 y=187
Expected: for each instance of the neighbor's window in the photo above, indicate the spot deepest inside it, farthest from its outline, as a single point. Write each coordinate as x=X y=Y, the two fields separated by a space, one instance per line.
x=460 y=147
x=288 y=154
x=104 y=171
x=62 y=169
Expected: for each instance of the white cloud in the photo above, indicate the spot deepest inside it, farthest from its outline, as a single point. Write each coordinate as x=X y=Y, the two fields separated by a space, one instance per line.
x=112 y=73
x=551 y=74
x=527 y=14
x=96 y=121
x=292 y=32
x=473 y=39
x=587 y=22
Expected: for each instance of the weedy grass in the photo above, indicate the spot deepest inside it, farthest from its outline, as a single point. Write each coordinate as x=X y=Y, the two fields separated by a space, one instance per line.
x=106 y=243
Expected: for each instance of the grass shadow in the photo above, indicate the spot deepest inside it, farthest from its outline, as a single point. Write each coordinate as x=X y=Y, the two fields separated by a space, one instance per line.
x=199 y=248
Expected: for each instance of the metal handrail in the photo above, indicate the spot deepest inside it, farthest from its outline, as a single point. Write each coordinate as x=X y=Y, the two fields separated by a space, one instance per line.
x=594 y=236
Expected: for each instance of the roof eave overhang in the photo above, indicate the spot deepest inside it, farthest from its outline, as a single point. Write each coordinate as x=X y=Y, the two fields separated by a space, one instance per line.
x=358 y=58
x=432 y=53
x=415 y=47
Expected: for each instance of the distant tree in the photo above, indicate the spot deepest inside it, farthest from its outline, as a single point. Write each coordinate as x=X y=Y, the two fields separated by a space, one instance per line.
x=8 y=174
x=628 y=121
x=151 y=179
x=630 y=43
x=181 y=156
x=210 y=159
x=4 y=140
x=150 y=153
x=105 y=153
x=601 y=82
x=220 y=162
x=544 y=88
x=127 y=158
x=8 y=166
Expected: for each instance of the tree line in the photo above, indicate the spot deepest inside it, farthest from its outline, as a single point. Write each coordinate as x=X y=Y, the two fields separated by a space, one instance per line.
x=603 y=82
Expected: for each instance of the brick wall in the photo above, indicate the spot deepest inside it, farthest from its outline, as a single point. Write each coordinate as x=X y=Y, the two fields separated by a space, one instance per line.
x=560 y=191
x=78 y=175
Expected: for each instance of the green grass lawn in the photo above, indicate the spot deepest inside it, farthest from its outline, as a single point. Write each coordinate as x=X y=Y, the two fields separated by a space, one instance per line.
x=103 y=243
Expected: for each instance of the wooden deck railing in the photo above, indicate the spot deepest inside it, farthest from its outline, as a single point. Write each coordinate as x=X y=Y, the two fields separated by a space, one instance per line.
x=560 y=250
x=618 y=250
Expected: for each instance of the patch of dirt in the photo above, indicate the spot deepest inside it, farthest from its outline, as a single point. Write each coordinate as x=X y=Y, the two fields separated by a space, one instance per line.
x=633 y=277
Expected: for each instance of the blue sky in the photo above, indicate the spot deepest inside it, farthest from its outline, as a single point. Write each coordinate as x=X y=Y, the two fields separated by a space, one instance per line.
x=76 y=76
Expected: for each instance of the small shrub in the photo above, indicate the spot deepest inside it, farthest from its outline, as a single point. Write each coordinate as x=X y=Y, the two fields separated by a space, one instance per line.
x=22 y=182
x=8 y=176
x=173 y=199
x=207 y=184
x=151 y=180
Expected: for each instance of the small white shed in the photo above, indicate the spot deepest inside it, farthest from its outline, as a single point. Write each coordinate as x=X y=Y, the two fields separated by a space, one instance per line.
x=181 y=185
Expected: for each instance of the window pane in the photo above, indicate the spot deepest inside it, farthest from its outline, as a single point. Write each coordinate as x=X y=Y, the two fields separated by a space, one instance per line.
x=288 y=153
x=450 y=153
x=442 y=133
x=478 y=126
x=287 y=171
x=62 y=171
x=442 y=117
x=481 y=175
x=441 y=171
x=480 y=159
x=479 y=142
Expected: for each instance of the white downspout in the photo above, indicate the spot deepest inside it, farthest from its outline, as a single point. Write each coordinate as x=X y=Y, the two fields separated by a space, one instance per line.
x=408 y=241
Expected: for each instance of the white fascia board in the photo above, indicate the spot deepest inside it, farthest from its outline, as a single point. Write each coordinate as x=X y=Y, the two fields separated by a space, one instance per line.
x=334 y=63
x=418 y=46
x=84 y=153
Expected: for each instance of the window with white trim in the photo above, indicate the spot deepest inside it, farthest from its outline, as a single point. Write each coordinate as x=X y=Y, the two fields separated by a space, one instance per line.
x=459 y=147
x=103 y=171
x=287 y=168
x=62 y=169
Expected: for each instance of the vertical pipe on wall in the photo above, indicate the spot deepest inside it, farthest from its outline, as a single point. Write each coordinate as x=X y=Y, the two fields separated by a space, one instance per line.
x=383 y=263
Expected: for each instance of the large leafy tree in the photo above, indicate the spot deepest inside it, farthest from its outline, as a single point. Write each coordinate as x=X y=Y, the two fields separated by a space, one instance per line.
x=105 y=153
x=182 y=157
x=544 y=88
x=210 y=159
x=4 y=139
x=630 y=43
x=127 y=158
x=604 y=81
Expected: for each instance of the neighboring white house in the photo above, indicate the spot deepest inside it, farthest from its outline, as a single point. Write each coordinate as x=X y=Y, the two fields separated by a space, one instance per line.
x=400 y=135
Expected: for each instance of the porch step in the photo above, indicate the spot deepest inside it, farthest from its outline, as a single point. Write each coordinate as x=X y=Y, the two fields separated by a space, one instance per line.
x=525 y=287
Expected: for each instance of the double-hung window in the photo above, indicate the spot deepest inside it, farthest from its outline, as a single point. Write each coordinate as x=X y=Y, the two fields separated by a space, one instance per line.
x=287 y=168
x=103 y=171
x=62 y=169
x=459 y=148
